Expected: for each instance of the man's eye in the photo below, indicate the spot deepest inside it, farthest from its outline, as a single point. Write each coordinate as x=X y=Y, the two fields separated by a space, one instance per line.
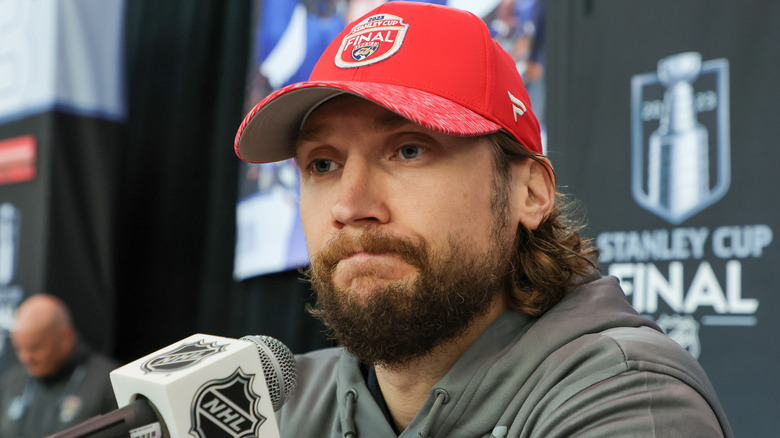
x=410 y=151
x=322 y=166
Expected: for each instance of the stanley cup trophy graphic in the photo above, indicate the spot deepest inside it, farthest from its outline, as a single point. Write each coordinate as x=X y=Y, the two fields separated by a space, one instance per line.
x=678 y=159
x=683 y=164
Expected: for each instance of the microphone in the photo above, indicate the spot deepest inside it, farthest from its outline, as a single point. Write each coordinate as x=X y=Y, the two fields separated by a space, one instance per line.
x=203 y=386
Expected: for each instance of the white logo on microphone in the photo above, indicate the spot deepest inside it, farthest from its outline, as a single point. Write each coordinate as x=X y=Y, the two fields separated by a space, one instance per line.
x=227 y=408
x=183 y=356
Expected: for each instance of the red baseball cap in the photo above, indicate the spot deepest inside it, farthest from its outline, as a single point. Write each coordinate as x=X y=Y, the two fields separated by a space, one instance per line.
x=434 y=65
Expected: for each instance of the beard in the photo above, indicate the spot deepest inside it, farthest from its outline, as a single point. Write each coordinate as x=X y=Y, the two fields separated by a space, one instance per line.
x=400 y=321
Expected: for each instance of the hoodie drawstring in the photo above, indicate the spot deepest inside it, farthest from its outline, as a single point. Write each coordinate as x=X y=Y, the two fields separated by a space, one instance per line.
x=442 y=397
x=348 y=421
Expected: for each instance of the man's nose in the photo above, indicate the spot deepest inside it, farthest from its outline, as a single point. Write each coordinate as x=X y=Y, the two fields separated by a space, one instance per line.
x=362 y=197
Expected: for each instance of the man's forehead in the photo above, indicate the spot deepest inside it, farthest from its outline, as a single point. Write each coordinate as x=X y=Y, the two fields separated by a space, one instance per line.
x=379 y=119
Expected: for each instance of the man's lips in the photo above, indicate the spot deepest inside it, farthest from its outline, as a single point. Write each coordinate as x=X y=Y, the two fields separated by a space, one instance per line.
x=371 y=263
x=363 y=265
x=362 y=256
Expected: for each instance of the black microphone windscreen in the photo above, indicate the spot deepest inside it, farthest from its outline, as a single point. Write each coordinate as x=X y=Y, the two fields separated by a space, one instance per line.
x=278 y=366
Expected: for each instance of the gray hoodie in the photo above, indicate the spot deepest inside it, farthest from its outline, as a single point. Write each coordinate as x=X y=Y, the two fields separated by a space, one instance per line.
x=589 y=367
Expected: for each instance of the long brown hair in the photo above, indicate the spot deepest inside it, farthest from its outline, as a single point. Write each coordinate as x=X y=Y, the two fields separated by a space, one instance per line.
x=550 y=259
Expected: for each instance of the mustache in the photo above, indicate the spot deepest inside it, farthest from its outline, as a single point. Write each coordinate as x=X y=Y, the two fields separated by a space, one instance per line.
x=372 y=241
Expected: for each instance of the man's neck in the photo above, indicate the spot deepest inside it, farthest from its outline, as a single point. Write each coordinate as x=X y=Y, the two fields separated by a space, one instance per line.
x=405 y=388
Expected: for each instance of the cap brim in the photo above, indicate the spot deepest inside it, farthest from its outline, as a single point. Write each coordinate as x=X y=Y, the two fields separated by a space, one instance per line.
x=269 y=131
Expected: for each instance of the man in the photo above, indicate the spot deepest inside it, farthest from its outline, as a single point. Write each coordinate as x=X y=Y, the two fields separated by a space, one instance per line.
x=59 y=382
x=466 y=304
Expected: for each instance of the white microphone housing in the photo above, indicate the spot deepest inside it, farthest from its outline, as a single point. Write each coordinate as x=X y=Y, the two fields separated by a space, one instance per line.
x=202 y=386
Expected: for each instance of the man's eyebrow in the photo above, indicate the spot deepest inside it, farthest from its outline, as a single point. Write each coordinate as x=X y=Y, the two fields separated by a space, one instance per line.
x=308 y=133
x=389 y=122
x=386 y=122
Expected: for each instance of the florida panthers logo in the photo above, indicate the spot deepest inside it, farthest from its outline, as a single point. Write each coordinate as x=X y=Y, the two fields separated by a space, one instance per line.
x=361 y=53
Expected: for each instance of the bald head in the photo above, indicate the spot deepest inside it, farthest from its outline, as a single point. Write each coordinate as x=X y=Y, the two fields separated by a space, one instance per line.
x=43 y=334
x=42 y=312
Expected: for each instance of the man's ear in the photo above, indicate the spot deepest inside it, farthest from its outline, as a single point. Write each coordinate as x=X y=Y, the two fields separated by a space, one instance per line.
x=533 y=191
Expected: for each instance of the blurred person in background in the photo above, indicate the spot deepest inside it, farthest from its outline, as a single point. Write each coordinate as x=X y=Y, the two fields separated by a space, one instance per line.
x=59 y=381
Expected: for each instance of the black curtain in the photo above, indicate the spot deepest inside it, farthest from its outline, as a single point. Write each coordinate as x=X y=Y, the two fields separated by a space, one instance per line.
x=186 y=74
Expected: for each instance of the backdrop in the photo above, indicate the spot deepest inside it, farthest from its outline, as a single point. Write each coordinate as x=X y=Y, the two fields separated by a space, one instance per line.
x=661 y=122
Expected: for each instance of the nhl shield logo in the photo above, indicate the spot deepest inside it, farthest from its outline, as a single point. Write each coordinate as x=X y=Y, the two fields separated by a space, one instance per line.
x=227 y=408
x=374 y=39
x=682 y=329
x=680 y=136
x=183 y=356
